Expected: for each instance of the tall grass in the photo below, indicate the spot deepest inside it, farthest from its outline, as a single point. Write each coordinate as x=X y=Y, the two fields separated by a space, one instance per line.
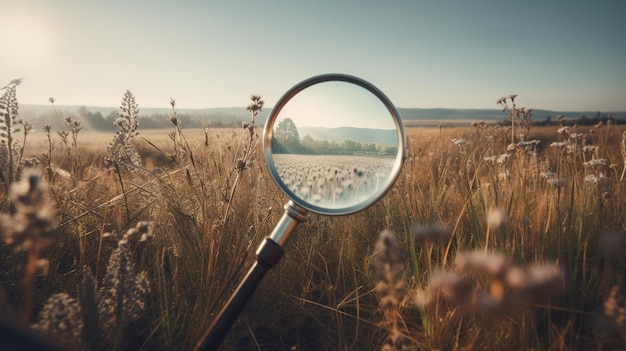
x=506 y=241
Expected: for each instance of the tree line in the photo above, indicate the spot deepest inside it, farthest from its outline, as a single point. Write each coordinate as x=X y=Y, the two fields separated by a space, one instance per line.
x=98 y=121
x=286 y=139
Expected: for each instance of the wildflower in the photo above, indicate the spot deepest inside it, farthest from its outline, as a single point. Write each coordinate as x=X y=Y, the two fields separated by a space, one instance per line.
x=389 y=268
x=502 y=158
x=496 y=218
x=558 y=144
x=557 y=182
x=453 y=287
x=174 y=120
x=504 y=175
x=32 y=162
x=33 y=224
x=576 y=135
x=489 y=282
x=459 y=141
x=623 y=151
x=614 y=244
x=596 y=179
x=61 y=317
x=122 y=285
x=563 y=130
x=539 y=280
x=595 y=162
x=590 y=148
x=120 y=150
x=478 y=263
x=256 y=105
x=143 y=230
x=490 y=159
x=510 y=147
x=615 y=313
x=432 y=232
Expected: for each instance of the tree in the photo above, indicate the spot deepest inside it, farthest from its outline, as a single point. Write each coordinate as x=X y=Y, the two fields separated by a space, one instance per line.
x=286 y=135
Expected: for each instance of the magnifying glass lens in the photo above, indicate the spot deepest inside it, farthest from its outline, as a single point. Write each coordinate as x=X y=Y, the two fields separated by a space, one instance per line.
x=334 y=144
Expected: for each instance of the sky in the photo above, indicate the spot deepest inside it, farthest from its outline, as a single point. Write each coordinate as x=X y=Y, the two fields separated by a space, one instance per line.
x=564 y=55
x=337 y=104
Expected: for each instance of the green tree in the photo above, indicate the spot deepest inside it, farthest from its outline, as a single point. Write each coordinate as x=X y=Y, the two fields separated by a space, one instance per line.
x=286 y=135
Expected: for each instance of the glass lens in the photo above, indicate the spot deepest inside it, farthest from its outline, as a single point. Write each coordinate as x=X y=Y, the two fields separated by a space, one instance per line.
x=334 y=145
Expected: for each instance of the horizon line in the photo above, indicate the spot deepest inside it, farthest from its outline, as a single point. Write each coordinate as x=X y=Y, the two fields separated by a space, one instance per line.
x=270 y=108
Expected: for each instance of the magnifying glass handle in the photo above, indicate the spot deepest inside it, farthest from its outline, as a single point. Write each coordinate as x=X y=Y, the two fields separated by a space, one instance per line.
x=268 y=254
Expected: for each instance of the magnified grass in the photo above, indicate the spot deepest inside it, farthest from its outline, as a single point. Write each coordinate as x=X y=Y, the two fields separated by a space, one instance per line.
x=333 y=181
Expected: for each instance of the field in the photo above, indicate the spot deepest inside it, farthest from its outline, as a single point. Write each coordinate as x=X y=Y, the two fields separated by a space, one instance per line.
x=135 y=240
x=333 y=181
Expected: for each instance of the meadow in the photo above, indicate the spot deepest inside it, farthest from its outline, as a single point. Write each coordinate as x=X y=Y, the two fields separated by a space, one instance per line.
x=333 y=181
x=492 y=238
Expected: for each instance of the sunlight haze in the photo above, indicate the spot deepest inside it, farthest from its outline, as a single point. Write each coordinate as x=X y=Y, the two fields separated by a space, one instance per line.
x=558 y=55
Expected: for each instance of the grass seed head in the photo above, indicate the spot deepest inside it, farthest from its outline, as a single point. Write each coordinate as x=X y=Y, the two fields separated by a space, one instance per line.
x=496 y=218
x=389 y=269
x=33 y=224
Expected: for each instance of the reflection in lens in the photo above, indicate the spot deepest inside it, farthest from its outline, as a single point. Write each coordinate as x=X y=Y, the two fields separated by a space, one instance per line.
x=333 y=181
x=334 y=145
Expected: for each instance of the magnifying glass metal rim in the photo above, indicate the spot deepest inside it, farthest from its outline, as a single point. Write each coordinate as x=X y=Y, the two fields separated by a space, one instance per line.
x=336 y=77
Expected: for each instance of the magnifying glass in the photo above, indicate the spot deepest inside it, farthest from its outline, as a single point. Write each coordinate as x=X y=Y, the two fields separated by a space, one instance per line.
x=334 y=144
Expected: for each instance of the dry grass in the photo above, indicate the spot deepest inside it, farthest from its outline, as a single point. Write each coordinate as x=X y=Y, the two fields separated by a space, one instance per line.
x=497 y=254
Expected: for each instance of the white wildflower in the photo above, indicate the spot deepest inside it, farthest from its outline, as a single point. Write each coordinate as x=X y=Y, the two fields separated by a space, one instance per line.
x=596 y=179
x=504 y=175
x=595 y=162
x=590 y=148
x=502 y=158
x=558 y=144
x=496 y=218
x=557 y=182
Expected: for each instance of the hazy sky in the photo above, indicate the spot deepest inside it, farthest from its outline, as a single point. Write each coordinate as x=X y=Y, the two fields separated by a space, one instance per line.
x=556 y=54
x=337 y=104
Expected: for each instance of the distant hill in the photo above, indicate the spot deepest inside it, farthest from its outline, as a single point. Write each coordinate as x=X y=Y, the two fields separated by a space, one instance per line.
x=416 y=116
x=101 y=118
x=362 y=135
